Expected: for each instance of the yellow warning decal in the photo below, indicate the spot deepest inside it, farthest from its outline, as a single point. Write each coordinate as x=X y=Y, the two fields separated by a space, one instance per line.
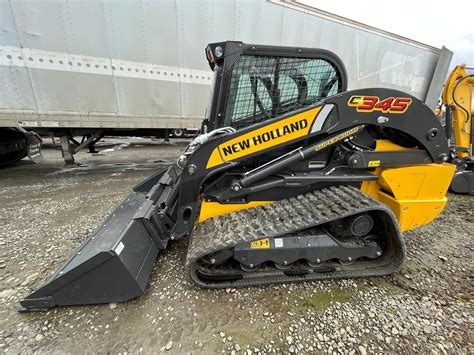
x=260 y=244
x=374 y=163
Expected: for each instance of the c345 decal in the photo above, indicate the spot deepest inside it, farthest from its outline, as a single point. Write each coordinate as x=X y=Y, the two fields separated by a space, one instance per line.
x=373 y=103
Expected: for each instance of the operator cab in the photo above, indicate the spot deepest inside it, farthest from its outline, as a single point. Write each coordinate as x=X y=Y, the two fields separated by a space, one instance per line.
x=254 y=83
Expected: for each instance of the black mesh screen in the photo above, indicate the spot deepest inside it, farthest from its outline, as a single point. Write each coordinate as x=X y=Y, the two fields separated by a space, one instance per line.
x=265 y=87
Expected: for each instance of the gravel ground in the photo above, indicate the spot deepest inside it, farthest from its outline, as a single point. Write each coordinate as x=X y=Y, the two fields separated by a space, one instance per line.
x=48 y=210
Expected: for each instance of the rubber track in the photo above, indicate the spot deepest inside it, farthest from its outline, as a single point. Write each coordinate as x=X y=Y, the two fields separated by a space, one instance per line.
x=283 y=217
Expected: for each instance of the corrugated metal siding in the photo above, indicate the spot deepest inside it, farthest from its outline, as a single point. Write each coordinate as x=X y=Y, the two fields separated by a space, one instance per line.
x=169 y=33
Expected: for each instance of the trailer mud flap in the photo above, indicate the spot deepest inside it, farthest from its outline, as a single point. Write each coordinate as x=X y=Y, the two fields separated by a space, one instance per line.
x=113 y=265
x=33 y=147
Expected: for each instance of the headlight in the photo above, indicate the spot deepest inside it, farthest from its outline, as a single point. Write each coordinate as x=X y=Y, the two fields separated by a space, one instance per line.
x=218 y=51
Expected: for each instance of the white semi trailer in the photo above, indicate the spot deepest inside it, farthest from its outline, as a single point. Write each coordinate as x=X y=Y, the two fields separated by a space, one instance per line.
x=102 y=67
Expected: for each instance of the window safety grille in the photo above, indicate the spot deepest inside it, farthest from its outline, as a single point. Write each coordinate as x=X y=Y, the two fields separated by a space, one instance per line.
x=263 y=87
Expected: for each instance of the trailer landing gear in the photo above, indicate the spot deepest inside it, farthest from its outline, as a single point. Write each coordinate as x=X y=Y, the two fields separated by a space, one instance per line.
x=71 y=146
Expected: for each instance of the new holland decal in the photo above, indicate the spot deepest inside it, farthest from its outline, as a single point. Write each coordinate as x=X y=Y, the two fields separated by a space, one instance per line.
x=262 y=138
x=373 y=103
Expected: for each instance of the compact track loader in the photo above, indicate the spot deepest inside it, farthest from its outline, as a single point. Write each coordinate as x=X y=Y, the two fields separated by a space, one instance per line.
x=293 y=178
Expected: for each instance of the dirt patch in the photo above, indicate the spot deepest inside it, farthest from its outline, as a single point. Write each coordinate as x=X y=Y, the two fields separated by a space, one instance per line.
x=48 y=210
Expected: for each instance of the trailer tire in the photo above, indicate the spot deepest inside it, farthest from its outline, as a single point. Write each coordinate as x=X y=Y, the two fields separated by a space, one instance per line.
x=178 y=133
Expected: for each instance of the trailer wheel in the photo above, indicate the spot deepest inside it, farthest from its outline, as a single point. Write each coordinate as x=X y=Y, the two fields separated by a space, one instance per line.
x=177 y=132
x=13 y=146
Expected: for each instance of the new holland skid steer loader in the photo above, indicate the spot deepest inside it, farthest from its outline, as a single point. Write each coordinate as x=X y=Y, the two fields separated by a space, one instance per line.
x=293 y=178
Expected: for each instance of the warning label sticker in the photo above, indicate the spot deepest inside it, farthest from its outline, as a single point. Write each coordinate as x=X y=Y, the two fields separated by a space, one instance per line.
x=260 y=244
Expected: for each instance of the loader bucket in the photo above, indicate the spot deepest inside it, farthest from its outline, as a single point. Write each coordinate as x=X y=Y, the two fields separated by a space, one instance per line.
x=113 y=265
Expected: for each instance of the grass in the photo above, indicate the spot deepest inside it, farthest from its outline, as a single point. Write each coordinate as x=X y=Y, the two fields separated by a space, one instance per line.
x=319 y=301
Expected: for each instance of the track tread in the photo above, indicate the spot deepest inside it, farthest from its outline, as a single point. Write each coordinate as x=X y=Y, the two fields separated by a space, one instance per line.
x=283 y=217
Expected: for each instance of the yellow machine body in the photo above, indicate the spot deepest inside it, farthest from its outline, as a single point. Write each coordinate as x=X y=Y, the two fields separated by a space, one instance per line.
x=214 y=209
x=416 y=194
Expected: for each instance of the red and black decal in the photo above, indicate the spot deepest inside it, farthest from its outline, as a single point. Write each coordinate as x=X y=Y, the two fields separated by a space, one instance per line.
x=374 y=103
